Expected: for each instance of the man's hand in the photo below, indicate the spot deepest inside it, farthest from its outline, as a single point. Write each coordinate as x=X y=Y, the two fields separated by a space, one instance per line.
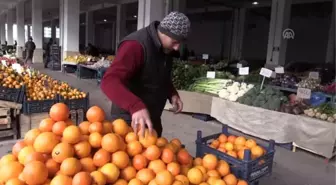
x=141 y=119
x=177 y=104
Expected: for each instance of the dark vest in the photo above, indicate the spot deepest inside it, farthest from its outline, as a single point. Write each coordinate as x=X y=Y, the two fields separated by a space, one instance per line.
x=151 y=83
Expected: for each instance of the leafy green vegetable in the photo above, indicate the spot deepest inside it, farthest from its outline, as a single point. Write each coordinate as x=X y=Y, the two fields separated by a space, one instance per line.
x=185 y=74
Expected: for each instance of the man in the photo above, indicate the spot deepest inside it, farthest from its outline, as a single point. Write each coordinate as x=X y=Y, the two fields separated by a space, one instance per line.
x=49 y=44
x=92 y=50
x=139 y=80
x=30 y=47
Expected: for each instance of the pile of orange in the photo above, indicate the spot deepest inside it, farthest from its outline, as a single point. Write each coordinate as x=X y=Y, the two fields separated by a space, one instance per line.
x=98 y=152
x=234 y=146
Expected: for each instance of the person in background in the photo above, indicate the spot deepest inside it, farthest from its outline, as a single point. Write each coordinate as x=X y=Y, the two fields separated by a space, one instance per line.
x=139 y=80
x=29 y=47
x=92 y=50
x=49 y=44
x=15 y=43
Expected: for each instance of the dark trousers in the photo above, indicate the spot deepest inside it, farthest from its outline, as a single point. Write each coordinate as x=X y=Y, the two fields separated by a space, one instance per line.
x=157 y=124
x=47 y=60
x=29 y=56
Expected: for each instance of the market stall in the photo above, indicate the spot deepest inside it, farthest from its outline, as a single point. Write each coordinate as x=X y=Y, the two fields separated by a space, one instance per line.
x=36 y=93
x=296 y=108
x=56 y=151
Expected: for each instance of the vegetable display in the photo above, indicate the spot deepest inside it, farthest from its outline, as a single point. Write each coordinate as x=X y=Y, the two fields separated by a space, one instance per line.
x=324 y=112
x=213 y=86
x=100 y=64
x=294 y=108
x=185 y=74
x=285 y=80
x=309 y=83
x=267 y=98
x=234 y=91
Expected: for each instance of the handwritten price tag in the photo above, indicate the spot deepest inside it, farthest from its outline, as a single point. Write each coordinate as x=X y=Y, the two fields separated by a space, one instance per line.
x=279 y=70
x=303 y=93
x=244 y=70
x=266 y=72
x=314 y=75
x=205 y=56
x=211 y=74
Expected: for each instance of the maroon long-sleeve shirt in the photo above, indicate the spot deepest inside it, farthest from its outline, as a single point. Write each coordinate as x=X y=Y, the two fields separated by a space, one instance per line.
x=129 y=60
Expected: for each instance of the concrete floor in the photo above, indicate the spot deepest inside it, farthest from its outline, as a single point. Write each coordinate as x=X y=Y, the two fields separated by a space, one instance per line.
x=299 y=168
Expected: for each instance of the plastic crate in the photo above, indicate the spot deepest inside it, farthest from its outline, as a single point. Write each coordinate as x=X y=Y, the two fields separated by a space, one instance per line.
x=69 y=68
x=247 y=169
x=86 y=73
x=37 y=106
x=12 y=94
x=76 y=104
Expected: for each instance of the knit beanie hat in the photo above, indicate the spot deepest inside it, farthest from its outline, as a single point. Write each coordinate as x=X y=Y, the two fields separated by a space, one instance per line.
x=175 y=25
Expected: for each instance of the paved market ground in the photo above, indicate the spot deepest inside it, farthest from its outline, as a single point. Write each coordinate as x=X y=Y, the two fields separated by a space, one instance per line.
x=299 y=168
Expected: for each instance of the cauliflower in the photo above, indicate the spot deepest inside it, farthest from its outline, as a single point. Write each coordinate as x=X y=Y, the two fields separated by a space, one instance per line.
x=236 y=84
x=233 y=97
x=241 y=93
x=233 y=89
x=224 y=94
x=243 y=85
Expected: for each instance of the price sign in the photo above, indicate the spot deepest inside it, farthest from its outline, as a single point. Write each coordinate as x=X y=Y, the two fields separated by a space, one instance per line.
x=3 y=62
x=239 y=65
x=266 y=72
x=303 y=93
x=279 y=70
x=205 y=56
x=244 y=70
x=211 y=74
x=314 y=75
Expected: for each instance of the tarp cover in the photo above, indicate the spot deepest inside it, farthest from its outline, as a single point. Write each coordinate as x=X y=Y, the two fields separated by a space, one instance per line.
x=308 y=133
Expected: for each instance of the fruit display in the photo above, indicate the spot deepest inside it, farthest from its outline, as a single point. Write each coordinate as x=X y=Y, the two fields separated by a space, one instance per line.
x=80 y=59
x=38 y=86
x=43 y=87
x=285 y=80
x=234 y=91
x=267 y=98
x=110 y=57
x=234 y=146
x=309 y=83
x=100 y=64
x=8 y=59
x=10 y=78
x=324 y=112
x=98 y=152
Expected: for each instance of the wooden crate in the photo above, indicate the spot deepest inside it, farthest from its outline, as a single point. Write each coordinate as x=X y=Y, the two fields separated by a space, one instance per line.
x=28 y=122
x=9 y=119
x=5 y=118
